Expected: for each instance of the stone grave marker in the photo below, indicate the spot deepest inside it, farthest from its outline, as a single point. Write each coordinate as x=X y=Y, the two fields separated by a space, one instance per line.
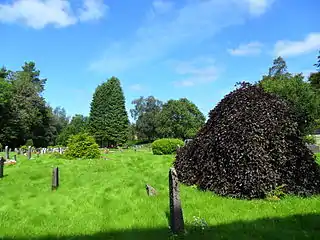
x=55 y=178
x=176 y=215
x=151 y=191
x=2 y=160
x=7 y=152
x=15 y=157
x=29 y=152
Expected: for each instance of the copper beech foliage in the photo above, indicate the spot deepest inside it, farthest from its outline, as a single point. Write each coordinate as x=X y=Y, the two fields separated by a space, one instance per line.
x=249 y=146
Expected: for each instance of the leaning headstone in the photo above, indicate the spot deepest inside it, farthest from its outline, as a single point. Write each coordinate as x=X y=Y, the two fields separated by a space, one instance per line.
x=29 y=152
x=7 y=152
x=150 y=190
x=176 y=216
x=55 y=178
x=2 y=160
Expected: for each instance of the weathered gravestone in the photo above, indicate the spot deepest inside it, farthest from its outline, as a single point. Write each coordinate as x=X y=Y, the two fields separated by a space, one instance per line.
x=15 y=157
x=150 y=190
x=7 y=152
x=55 y=178
x=2 y=160
x=176 y=216
x=29 y=152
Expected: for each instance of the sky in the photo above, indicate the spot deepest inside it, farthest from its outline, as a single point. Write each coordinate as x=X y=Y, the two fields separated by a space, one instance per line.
x=196 y=49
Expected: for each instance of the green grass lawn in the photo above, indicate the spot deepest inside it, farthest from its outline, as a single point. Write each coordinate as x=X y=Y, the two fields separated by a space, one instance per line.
x=106 y=199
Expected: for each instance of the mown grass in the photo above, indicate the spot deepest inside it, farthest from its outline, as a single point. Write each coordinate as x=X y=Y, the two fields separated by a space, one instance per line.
x=106 y=199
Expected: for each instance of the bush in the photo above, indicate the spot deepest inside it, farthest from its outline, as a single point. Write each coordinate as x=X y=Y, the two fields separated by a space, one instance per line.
x=82 y=146
x=29 y=142
x=166 y=146
x=24 y=148
x=251 y=145
x=310 y=139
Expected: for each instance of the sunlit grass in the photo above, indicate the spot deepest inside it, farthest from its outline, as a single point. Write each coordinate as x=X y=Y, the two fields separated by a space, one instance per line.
x=108 y=198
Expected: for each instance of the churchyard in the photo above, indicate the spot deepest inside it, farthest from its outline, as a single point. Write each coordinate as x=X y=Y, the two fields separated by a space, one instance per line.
x=107 y=199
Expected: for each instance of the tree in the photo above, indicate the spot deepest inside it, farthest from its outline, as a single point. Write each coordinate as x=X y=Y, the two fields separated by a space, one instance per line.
x=108 y=120
x=77 y=125
x=179 y=119
x=279 y=68
x=145 y=113
x=294 y=89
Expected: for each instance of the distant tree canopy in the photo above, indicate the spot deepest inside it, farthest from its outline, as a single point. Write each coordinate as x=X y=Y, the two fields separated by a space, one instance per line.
x=295 y=90
x=108 y=120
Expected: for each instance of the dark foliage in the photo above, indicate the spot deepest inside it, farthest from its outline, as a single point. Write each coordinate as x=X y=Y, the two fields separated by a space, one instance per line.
x=249 y=146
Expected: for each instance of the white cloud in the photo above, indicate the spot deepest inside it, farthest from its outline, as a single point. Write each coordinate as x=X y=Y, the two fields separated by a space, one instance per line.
x=259 y=7
x=287 y=48
x=136 y=87
x=192 y=23
x=253 y=48
x=198 y=71
x=40 y=13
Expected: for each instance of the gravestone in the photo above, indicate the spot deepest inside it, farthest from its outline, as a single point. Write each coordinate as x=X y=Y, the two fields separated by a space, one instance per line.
x=7 y=152
x=15 y=157
x=55 y=178
x=29 y=152
x=2 y=160
x=150 y=190
x=176 y=216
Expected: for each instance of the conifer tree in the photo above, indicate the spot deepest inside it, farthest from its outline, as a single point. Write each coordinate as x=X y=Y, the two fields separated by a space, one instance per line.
x=108 y=120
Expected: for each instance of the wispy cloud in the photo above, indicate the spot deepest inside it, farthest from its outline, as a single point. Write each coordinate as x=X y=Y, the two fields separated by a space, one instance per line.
x=286 y=48
x=59 y=13
x=176 y=27
x=259 y=7
x=198 y=71
x=252 y=48
x=136 y=87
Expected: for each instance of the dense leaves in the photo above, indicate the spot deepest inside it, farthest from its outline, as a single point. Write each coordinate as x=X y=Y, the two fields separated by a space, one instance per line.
x=166 y=146
x=250 y=145
x=179 y=119
x=108 y=120
x=82 y=146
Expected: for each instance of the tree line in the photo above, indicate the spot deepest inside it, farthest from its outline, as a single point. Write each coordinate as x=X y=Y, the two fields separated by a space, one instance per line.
x=26 y=117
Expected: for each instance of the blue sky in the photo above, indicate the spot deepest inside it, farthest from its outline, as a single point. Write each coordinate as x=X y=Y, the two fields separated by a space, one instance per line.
x=169 y=49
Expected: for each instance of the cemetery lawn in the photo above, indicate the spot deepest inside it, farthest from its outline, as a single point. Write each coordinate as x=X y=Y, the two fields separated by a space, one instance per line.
x=106 y=199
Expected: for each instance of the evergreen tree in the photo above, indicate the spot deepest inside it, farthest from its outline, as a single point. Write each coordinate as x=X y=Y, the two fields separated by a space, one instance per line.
x=108 y=120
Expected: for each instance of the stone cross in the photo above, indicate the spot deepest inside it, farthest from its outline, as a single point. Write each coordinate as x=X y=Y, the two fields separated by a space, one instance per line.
x=176 y=216
x=29 y=152
x=55 y=178
x=7 y=152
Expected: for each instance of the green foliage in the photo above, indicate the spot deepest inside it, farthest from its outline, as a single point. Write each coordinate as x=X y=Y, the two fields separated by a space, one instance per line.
x=24 y=148
x=29 y=142
x=310 y=139
x=314 y=80
x=82 y=146
x=108 y=120
x=1 y=146
x=78 y=124
x=179 y=119
x=166 y=146
x=304 y=100
x=277 y=193
x=145 y=112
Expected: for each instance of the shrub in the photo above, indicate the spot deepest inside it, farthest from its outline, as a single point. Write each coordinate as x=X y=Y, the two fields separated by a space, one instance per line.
x=82 y=146
x=166 y=146
x=1 y=146
x=29 y=142
x=310 y=139
x=24 y=148
x=251 y=145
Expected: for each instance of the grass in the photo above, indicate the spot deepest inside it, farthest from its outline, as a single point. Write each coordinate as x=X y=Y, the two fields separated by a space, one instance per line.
x=106 y=199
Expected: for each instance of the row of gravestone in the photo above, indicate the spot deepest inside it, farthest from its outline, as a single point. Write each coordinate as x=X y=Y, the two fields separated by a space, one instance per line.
x=31 y=150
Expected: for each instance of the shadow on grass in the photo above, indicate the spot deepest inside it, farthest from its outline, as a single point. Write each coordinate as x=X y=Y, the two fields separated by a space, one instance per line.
x=293 y=227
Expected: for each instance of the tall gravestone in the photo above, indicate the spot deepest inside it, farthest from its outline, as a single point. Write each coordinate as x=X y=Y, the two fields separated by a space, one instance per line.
x=7 y=152
x=55 y=178
x=176 y=216
x=29 y=152
x=2 y=160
